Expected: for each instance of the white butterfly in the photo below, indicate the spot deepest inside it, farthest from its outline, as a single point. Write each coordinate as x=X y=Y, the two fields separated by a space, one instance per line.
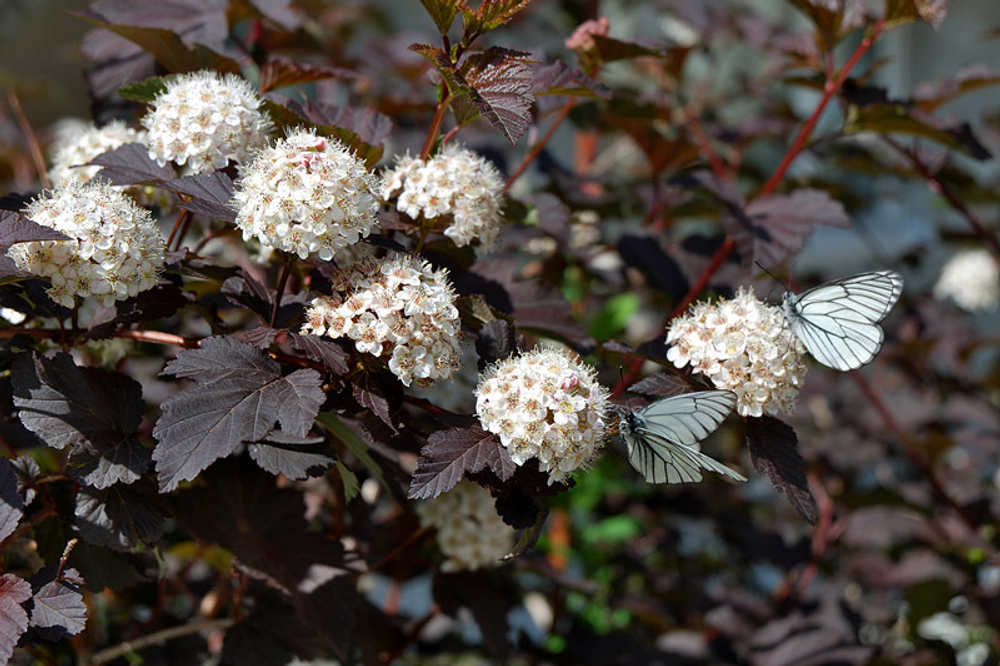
x=662 y=437
x=838 y=321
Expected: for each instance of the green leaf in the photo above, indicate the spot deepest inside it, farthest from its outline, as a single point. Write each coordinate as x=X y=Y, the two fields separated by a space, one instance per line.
x=167 y=48
x=144 y=91
x=616 y=313
x=897 y=118
x=350 y=481
x=354 y=444
x=490 y=15
x=442 y=12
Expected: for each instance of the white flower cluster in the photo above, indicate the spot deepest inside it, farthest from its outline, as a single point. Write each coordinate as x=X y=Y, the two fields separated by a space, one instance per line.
x=398 y=307
x=469 y=531
x=455 y=183
x=78 y=142
x=545 y=404
x=972 y=279
x=116 y=251
x=306 y=194
x=204 y=119
x=745 y=346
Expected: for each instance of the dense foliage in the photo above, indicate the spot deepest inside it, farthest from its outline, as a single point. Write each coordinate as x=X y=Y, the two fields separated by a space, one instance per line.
x=357 y=396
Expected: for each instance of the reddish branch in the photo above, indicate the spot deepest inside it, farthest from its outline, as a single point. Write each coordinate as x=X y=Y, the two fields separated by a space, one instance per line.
x=726 y=249
x=29 y=135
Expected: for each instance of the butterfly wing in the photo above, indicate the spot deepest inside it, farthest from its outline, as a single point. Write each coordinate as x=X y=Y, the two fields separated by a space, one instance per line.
x=661 y=436
x=838 y=321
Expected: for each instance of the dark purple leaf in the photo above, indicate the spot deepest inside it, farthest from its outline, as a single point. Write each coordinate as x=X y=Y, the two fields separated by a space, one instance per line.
x=120 y=517
x=497 y=340
x=240 y=508
x=282 y=12
x=553 y=216
x=165 y=45
x=370 y=394
x=662 y=384
x=361 y=130
x=15 y=202
x=244 y=289
x=899 y=118
x=66 y=405
x=59 y=609
x=331 y=610
x=646 y=254
x=198 y=21
x=16 y=228
x=295 y=457
x=27 y=471
x=162 y=301
x=322 y=350
x=773 y=449
x=130 y=164
x=774 y=227
x=558 y=78
x=280 y=71
x=11 y=502
x=13 y=618
x=489 y=597
x=105 y=568
x=118 y=63
x=542 y=308
x=449 y=454
x=260 y=337
x=239 y=396
x=442 y=12
x=122 y=462
x=271 y=633
x=611 y=49
x=930 y=95
x=500 y=80
x=210 y=195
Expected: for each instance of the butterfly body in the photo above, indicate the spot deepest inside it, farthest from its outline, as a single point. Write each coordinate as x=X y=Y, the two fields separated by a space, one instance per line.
x=662 y=437
x=838 y=322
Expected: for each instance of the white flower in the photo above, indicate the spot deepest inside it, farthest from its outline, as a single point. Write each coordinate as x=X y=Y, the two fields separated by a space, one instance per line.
x=397 y=307
x=204 y=119
x=971 y=278
x=116 y=250
x=78 y=142
x=545 y=404
x=456 y=184
x=745 y=346
x=306 y=194
x=469 y=531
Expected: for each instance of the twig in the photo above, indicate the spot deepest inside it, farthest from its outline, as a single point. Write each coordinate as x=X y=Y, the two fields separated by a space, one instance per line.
x=178 y=223
x=161 y=636
x=410 y=638
x=29 y=134
x=415 y=537
x=435 y=128
x=286 y=270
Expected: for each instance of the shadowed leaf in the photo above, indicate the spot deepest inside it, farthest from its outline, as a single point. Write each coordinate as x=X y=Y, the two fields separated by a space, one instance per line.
x=646 y=254
x=294 y=457
x=11 y=502
x=280 y=71
x=16 y=228
x=487 y=596
x=122 y=462
x=209 y=194
x=130 y=164
x=501 y=80
x=662 y=384
x=449 y=454
x=322 y=350
x=773 y=449
x=120 y=517
x=558 y=78
x=496 y=341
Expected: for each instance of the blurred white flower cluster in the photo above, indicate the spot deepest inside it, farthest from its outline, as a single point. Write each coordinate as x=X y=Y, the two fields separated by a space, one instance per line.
x=457 y=183
x=745 y=346
x=78 y=142
x=204 y=119
x=398 y=307
x=469 y=531
x=545 y=404
x=306 y=194
x=970 y=643
x=971 y=278
x=116 y=250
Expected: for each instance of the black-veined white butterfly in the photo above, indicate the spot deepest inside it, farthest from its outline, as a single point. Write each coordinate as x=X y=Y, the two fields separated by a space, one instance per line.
x=662 y=436
x=838 y=321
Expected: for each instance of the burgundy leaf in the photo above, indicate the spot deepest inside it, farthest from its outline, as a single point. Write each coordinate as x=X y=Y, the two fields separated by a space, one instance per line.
x=281 y=12
x=120 y=517
x=929 y=96
x=497 y=340
x=130 y=164
x=163 y=300
x=773 y=449
x=558 y=78
x=361 y=130
x=449 y=454
x=121 y=462
x=59 y=608
x=646 y=254
x=543 y=308
x=334 y=358
x=198 y=21
x=297 y=458
x=553 y=216
x=501 y=89
x=239 y=396
x=16 y=228
x=11 y=502
x=280 y=71
x=774 y=227
x=66 y=405
x=662 y=384
x=13 y=618
x=210 y=195
x=370 y=396
x=260 y=337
